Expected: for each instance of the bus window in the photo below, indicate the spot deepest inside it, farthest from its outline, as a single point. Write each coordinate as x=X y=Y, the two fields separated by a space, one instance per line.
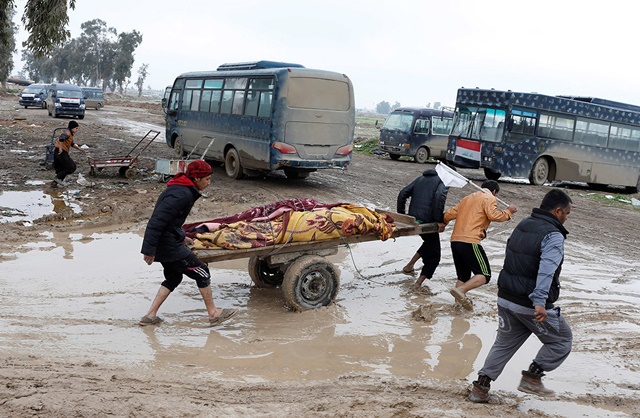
x=265 y=104
x=523 y=122
x=205 y=101
x=195 y=100
x=174 y=100
x=216 y=95
x=556 y=126
x=227 y=101
x=186 y=100
x=238 y=102
x=421 y=126
x=255 y=96
x=591 y=132
x=624 y=137
x=442 y=126
x=399 y=122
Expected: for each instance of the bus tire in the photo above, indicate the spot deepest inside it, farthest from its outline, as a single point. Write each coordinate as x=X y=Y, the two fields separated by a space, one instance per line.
x=178 y=149
x=394 y=157
x=264 y=275
x=310 y=282
x=491 y=175
x=232 y=165
x=422 y=155
x=539 y=172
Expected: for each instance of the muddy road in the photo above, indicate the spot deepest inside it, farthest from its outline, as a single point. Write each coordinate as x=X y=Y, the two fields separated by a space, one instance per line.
x=74 y=285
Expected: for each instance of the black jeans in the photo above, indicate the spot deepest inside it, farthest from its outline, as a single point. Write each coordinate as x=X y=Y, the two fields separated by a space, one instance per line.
x=63 y=164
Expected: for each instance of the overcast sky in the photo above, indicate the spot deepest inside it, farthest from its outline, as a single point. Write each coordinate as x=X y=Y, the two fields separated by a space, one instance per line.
x=411 y=52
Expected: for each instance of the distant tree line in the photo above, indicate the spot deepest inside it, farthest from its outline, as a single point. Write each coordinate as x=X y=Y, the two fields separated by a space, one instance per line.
x=98 y=57
x=384 y=108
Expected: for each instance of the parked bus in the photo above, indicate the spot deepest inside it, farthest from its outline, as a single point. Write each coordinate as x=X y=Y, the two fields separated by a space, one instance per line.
x=263 y=116
x=93 y=97
x=421 y=133
x=546 y=138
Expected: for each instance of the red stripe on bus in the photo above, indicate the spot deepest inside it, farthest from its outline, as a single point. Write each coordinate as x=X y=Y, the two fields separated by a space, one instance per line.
x=470 y=145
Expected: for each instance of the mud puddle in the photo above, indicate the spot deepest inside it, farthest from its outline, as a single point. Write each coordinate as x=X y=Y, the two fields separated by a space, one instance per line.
x=81 y=295
x=27 y=206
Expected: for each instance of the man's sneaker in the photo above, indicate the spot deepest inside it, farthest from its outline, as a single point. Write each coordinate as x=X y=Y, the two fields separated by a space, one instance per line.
x=532 y=383
x=461 y=298
x=478 y=393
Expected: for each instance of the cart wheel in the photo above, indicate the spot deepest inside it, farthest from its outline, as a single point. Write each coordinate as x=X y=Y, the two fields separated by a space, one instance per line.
x=310 y=282
x=262 y=274
x=130 y=173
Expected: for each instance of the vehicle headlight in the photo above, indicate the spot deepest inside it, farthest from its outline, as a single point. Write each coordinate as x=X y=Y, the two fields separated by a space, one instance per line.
x=57 y=104
x=81 y=106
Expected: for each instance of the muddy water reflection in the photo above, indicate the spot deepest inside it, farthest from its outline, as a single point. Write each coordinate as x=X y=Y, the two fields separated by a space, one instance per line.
x=81 y=296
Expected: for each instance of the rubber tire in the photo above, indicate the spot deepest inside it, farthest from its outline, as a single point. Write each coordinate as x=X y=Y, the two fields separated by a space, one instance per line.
x=81 y=117
x=232 y=164
x=394 y=157
x=98 y=106
x=491 y=175
x=44 y=105
x=178 y=149
x=539 y=172
x=422 y=155
x=310 y=282
x=130 y=173
x=263 y=275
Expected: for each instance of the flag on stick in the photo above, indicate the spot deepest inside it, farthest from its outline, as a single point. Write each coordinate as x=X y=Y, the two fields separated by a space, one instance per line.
x=452 y=179
x=449 y=177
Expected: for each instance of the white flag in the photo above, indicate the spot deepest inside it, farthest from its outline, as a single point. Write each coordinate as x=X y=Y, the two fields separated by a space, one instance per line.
x=449 y=177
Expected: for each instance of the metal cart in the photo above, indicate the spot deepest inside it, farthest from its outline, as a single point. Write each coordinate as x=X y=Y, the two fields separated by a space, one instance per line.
x=307 y=279
x=49 y=149
x=168 y=168
x=127 y=163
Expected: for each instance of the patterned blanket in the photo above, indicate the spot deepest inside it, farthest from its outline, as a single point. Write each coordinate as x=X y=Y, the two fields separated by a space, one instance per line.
x=288 y=225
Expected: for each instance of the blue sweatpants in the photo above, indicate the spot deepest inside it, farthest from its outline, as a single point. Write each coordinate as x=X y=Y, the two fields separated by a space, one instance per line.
x=516 y=324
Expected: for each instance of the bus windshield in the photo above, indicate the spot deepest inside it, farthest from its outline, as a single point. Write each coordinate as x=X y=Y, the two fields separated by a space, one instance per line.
x=479 y=123
x=399 y=122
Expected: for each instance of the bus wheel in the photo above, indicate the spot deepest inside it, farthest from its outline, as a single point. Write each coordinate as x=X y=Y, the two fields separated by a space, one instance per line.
x=232 y=164
x=539 y=172
x=310 y=282
x=264 y=275
x=422 y=155
x=491 y=175
x=394 y=157
x=178 y=149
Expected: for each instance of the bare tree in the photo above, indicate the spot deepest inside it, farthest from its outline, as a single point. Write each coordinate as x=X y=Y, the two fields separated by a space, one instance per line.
x=142 y=75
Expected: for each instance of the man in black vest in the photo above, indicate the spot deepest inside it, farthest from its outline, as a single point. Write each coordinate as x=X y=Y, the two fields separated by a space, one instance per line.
x=528 y=286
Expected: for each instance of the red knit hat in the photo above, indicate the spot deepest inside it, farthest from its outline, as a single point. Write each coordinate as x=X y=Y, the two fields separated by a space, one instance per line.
x=198 y=169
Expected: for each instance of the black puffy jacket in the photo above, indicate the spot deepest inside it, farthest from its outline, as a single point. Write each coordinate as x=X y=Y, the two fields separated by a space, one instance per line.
x=428 y=195
x=164 y=236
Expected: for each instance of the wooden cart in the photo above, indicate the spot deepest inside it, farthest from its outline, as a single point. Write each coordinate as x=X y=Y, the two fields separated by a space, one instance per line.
x=307 y=279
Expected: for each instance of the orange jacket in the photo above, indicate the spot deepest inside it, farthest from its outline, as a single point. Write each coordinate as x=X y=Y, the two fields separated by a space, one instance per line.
x=65 y=142
x=473 y=216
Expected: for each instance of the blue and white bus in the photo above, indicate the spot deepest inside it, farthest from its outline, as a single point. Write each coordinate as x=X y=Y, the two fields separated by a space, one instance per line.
x=263 y=116
x=546 y=138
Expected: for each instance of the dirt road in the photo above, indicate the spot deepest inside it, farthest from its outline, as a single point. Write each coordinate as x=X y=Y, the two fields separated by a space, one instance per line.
x=601 y=295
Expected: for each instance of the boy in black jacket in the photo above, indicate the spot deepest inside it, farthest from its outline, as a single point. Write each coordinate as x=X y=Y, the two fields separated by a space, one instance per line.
x=165 y=241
